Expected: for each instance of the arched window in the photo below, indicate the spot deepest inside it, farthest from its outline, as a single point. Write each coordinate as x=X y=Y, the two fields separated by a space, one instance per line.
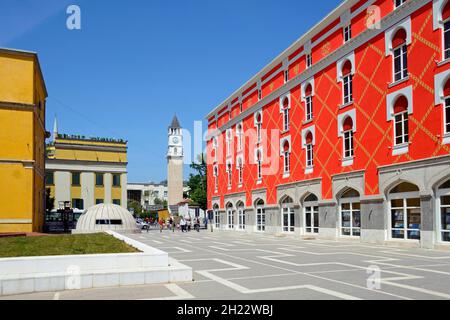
x=311 y=213
x=285 y=109
x=287 y=215
x=240 y=168
x=258 y=125
x=309 y=102
x=239 y=134
x=241 y=216
x=216 y=216
x=260 y=216
x=348 y=138
x=405 y=212
x=401 y=126
x=447 y=106
x=230 y=216
x=446 y=21
x=230 y=174
x=347 y=82
x=350 y=213
x=216 y=179
x=228 y=140
x=309 y=150
x=400 y=55
x=443 y=196
x=287 y=157
x=259 y=164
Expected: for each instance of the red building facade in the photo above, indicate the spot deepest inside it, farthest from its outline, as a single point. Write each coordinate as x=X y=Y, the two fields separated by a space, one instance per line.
x=345 y=134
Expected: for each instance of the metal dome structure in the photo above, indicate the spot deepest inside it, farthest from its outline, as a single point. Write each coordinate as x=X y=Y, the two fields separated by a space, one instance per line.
x=103 y=217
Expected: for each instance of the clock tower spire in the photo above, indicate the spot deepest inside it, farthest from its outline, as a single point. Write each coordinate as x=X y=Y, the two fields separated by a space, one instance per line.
x=175 y=163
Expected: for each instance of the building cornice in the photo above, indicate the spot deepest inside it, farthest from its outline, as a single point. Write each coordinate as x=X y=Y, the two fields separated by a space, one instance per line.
x=68 y=146
x=85 y=166
x=415 y=164
x=387 y=22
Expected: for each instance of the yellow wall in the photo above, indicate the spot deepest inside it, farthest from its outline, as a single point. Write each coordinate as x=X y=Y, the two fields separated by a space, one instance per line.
x=22 y=140
x=88 y=155
x=16 y=78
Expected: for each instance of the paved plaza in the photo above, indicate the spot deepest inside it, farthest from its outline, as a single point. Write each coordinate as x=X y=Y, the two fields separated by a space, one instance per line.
x=233 y=265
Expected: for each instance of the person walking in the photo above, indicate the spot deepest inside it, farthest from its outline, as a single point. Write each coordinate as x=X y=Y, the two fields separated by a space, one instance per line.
x=197 y=224
x=183 y=225
x=161 y=225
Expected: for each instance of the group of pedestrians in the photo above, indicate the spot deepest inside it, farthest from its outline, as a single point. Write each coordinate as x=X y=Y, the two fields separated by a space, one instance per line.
x=184 y=224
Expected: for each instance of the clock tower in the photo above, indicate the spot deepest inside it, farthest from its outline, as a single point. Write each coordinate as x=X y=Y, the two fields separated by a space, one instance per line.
x=175 y=163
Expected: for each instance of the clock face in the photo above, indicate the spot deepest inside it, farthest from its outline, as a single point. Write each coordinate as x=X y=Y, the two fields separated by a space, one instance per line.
x=175 y=140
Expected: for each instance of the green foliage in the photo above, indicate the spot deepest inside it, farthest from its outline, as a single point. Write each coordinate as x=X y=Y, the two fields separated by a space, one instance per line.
x=197 y=183
x=49 y=201
x=136 y=206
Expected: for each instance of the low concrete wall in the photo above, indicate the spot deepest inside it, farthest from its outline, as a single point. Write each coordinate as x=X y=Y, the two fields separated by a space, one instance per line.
x=57 y=273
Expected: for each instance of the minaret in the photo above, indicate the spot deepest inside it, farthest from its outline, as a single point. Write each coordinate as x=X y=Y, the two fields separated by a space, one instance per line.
x=175 y=163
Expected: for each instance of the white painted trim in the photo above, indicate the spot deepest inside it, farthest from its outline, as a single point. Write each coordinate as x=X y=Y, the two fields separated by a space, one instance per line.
x=281 y=99
x=391 y=98
x=439 y=83
x=438 y=5
x=303 y=88
x=340 y=63
x=305 y=131
x=346 y=162
x=400 y=149
x=405 y=24
x=340 y=119
x=282 y=141
x=15 y=221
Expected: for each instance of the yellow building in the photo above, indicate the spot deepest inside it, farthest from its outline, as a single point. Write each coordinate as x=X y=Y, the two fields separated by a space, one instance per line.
x=86 y=171
x=22 y=139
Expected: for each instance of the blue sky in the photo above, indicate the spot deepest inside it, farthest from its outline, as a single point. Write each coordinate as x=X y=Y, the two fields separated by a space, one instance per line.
x=135 y=63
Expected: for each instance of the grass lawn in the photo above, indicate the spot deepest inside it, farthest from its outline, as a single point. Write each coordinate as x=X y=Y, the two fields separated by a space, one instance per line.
x=62 y=245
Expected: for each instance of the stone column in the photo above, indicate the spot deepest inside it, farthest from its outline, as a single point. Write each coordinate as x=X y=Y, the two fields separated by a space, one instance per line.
x=328 y=219
x=428 y=223
x=373 y=219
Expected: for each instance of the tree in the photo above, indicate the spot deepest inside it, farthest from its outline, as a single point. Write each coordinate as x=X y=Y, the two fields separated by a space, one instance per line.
x=197 y=182
x=136 y=206
x=49 y=201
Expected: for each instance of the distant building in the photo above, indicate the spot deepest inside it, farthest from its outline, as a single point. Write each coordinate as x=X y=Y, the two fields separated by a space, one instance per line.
x=147 y=193
x=86 y=171
x=22 y=140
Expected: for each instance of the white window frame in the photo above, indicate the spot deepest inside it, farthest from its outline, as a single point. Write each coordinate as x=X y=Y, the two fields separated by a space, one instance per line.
x=439 y=195
x=216 y=218
x=348 y=137
x=260 y=213
x=390 y=103
x=258 y=126
x=229 y=139
x=239 y=135
x=230 y=175
x=446 y=116
x=347 y=84
x=230 y=218
x=308 y=60
x=287 y=163
x=308 y=108
x=347 y=33
x=444 y=45
x=216 y=179
x=287 y=209
x=403 y=119
x=309 y=148
x=285 y=111
x=401 y=53
x=241 y=218
x=313 y=208
x=352 y=211
x=403 y=196
x=240 y=168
